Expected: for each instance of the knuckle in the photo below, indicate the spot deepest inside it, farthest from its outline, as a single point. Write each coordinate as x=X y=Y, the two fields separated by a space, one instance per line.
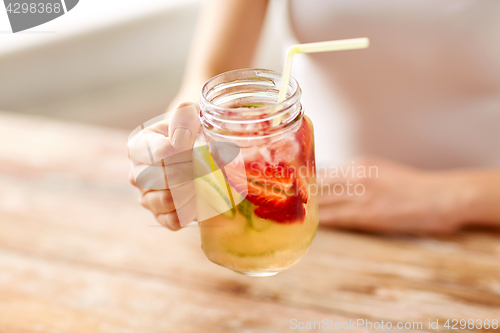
x=131 y=179
x=169 y=221
x=167 y=200
x=130 y=146
x=183 y=104
x=143 y=201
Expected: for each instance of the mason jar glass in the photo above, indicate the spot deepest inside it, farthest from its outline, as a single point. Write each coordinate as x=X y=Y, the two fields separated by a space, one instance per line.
x=272 y=183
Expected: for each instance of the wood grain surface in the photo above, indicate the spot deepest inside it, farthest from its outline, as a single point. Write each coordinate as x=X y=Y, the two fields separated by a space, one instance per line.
x=79 y=254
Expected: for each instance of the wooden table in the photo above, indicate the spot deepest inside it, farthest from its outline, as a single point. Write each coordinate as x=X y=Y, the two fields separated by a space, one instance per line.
x=79 y=254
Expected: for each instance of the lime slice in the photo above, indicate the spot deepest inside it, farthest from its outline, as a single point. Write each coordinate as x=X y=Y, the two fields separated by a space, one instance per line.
x=259 y=224
x=212 y=200
x=212 y=197
x=254 y=222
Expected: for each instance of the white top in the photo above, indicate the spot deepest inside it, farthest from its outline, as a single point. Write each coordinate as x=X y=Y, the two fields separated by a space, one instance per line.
x=426 y=92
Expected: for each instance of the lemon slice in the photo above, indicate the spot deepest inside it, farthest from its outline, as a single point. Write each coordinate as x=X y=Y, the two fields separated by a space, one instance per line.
x=212 y=199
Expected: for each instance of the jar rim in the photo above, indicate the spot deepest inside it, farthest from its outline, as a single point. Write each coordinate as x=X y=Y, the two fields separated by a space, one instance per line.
x=277 y=108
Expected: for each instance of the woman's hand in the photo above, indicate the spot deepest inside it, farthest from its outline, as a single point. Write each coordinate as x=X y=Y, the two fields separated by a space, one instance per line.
x=160 y=169
x=391 y=198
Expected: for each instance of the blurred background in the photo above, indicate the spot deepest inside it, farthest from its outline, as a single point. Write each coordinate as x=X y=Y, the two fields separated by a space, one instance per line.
x=118 y=69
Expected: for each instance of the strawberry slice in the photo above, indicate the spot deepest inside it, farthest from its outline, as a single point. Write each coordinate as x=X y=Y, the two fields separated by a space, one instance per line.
x=303 y=188
x=305 y=159
x=305 y=137
x=264 y=196
x=294 y=211
x=279 y=177
x=265 y=185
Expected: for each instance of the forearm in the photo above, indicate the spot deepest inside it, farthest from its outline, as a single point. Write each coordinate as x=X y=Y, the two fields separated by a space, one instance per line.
x=479 y=193
x=226 y=38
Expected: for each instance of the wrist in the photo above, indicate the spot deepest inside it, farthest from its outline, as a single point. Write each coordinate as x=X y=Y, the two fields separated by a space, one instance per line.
x=450 y=199
x=477 y=197
x=465 y=197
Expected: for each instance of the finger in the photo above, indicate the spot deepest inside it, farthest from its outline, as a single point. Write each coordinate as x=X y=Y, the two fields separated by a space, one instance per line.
x=336 y=193
x=187 y=213
x=131 y=178
x=160 y=127
x=151 y=145
x=172 y=220
x=179 y=173
x=154 y=143
x=169 y=221
x=184 y=125
x=149 y=177
x=325 y=198
x=162 y=175
x=348 y=217
x=166 y=201
x=158 y=202
x=138 y=149
x=148 y=147
x=183 y=104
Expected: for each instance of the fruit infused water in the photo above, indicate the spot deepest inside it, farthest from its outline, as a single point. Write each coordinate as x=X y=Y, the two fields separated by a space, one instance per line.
x=265 y=200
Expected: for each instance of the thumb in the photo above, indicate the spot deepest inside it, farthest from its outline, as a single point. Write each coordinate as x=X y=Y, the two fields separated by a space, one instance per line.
x=184 y=125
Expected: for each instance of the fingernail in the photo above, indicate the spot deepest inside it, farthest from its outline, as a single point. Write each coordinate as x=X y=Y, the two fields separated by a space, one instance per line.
x=181 y=138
